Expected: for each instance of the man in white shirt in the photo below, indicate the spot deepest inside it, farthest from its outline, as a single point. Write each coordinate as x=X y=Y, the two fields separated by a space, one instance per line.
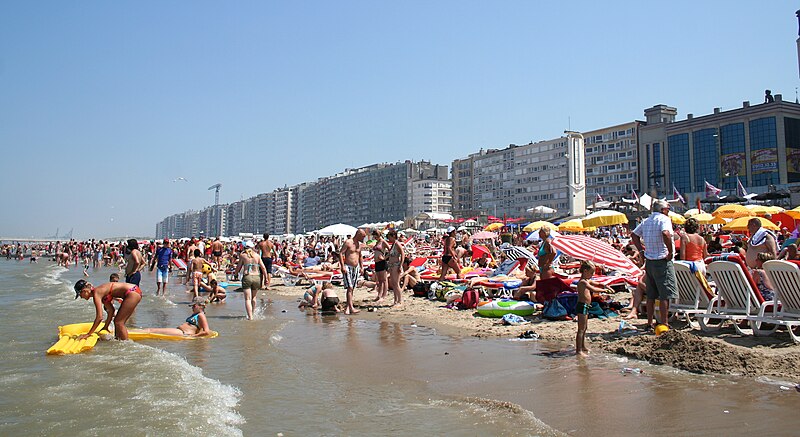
x=653 y=237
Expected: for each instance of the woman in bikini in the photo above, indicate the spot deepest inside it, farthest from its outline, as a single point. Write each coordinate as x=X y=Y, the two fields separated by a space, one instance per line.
x=254 y=276
x=393 y=261
x=103 y=296
x=195 y=325
x=379 y=251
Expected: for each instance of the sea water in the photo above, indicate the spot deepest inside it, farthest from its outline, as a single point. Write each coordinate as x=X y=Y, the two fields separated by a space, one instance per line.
x=293 y=372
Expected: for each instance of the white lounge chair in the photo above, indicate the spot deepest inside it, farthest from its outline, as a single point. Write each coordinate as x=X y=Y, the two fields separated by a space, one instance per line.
x=692 y=296
x=785 y=277
x=737 y=295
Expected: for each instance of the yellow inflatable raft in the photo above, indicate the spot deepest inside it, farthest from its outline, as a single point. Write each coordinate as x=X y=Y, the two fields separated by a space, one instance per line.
x=68 y=342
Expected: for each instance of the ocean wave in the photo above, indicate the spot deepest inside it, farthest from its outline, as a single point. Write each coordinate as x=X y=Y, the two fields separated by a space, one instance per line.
x=158 y=392
x=514 y=419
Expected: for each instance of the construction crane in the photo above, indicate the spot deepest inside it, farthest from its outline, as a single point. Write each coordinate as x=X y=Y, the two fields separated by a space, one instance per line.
x=216 y=188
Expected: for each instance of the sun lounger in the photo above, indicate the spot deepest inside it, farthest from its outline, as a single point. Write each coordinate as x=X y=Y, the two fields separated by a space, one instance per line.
x=693 y=296
x=785 y=277
x=737 y=294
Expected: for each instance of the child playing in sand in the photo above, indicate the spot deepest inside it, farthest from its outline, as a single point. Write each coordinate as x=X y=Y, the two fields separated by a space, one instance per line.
x=329 y=298
x=216 y=293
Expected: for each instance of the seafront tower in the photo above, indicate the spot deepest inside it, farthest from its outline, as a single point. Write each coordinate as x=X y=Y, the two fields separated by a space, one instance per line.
x=576 y=174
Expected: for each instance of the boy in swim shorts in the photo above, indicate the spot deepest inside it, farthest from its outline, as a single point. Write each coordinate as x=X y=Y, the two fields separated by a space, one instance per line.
x=583 y=305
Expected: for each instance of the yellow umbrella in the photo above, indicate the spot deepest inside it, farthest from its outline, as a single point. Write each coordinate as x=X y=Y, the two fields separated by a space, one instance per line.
x=604 y=217
x=740 y=224
x=493 y=227
x=793 y=213
x=731 y=211
x=535 y=226
x=691 y=212
x=706 y=218
x=676 y=218
x=571 y=226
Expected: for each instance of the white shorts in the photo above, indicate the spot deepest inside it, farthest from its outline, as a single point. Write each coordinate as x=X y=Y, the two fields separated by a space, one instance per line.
x=162 y=275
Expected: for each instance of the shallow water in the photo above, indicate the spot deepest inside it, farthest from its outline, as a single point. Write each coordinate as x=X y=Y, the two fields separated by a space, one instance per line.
x=297 y=373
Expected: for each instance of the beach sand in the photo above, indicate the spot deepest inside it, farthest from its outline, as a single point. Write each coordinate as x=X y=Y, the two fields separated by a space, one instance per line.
x=723 y=352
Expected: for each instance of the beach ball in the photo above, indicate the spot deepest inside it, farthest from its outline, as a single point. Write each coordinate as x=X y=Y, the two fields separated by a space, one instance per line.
x=206 y=268
x=660 y=329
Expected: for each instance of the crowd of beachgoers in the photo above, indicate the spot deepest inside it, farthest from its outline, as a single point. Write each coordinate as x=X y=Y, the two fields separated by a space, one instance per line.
x=452 y=268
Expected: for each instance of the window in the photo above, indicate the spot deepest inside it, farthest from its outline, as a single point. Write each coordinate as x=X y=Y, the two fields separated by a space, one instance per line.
x=732 y=155
x=763 y=151
x=706 y=158
x=678 y=153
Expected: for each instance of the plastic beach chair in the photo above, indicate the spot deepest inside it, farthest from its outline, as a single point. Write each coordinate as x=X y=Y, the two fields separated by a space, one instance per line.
x=738 y=297
x=693 y=298
x=785 y=277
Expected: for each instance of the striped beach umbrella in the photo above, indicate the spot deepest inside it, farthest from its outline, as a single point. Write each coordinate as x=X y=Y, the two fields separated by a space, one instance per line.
x=599 y=252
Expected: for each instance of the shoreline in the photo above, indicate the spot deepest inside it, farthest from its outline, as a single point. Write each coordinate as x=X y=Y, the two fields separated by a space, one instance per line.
x=722 y=352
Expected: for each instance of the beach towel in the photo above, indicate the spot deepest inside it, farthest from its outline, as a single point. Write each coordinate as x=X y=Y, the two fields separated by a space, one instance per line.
x=760 y=237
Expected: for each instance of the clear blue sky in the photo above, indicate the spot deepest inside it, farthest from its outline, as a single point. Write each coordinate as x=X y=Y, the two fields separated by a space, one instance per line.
x=103 y=104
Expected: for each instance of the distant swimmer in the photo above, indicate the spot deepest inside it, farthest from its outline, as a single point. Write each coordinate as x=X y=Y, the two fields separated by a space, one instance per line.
x=103 y=296
x=195 y=325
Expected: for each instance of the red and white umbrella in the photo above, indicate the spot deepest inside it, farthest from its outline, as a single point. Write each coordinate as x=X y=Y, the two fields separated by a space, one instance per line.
x=599 y=252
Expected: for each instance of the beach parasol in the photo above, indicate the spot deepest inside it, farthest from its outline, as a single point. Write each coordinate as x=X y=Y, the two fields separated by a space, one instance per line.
x=676 y=218
x=731 y=211
x=483 y=235
x=597 y=251
x=339 y=229
x=478 y=250
x=493 y=227
x=535 y=226
x=516 y=252
x=708 y=219
x=774 y=195
x=574 y=225
x=541 y=209
x=691 y=212
x=740 y=224
x=604 y=217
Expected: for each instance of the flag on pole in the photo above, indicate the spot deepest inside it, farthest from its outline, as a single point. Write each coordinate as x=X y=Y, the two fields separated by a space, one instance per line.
x=635 y=197
x=711 y=190
x=599 y=197
x=740 y=191
x=677 y=195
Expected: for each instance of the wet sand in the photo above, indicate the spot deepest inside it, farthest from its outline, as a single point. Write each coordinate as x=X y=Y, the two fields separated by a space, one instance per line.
x=722 y=352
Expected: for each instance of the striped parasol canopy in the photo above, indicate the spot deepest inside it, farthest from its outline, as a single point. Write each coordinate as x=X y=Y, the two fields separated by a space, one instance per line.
x=599 y=252
x=516 y=252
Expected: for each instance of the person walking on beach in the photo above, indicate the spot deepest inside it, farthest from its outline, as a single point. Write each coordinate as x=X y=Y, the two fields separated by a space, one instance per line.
x=161 y=261
x=659 y=250
x=267 y=250
x=216 y=252
x=394 y=262
x=134 y=262
x=103 y=296
x=254 y=276
x=350 y=264
x=379 y=253
x=449 y=255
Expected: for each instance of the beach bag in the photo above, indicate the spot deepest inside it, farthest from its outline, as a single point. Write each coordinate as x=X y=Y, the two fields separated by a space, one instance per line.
x=440 y=289
x=420 y=289
x=553 y=310
x=469 y=300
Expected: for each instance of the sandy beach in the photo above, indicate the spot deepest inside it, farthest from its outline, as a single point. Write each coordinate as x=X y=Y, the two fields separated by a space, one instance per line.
x=721 y=352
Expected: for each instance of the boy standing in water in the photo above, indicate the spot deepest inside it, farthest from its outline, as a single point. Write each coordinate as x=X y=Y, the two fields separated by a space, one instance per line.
x=585 y=289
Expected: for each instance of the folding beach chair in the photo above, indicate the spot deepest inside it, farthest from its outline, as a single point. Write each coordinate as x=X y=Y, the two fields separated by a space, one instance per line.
x=693 y=297
x=785 y=277
x=738 y=297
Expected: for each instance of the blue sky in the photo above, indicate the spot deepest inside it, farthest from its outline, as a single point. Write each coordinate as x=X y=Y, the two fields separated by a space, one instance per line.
x=103 y=104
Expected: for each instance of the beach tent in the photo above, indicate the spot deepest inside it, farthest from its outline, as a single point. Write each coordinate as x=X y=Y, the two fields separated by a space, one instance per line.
x=597 y=251
x=339 y=229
